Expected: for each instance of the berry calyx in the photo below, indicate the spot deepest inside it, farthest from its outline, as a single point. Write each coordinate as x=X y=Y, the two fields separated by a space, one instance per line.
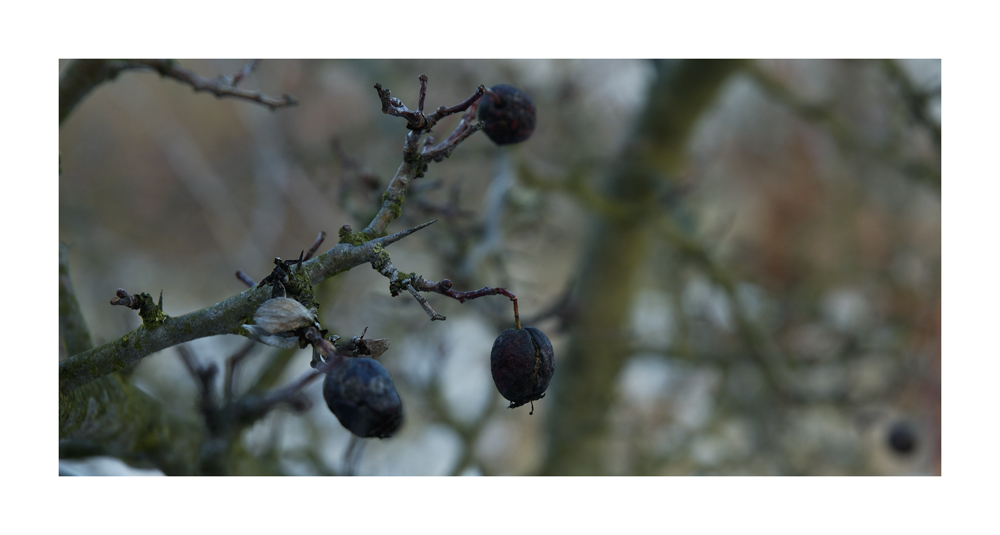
x=361 y=395
x=509 y=114
x=522 y=365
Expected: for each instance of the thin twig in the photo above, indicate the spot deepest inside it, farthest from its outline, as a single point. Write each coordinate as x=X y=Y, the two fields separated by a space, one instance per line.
x=380 y=262
x=231 y=364
x=220 y=86
x=425 y=305
x=847 y=137
x=247 y=69
x=82 y=76
x=461 y=132
x=315 y=245
x=395 y=107
x=245 y=278
x=760 y=348
x=444 y=288
x=445 y=111
x=423 y=93
x=204 y=377
x=325 y=348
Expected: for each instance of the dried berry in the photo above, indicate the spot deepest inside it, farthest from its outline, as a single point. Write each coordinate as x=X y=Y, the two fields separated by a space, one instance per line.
x=522 y=364
x=902 y=438
x=361 y=395
x=509 y=114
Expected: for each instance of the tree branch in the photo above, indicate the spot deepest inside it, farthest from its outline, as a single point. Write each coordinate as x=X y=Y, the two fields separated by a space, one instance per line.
x=591 y=364
x=82 y=76
x=72 y=326
x=414 y=160
x=225 y=317
x=848 y=138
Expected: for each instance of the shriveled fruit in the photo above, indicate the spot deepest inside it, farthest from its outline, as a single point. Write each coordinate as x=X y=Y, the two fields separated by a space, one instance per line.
x=522 y=364
x=509 y=114
x=361 y=395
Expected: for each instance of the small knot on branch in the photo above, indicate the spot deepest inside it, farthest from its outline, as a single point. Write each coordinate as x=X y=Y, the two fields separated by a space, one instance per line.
x=151 y=313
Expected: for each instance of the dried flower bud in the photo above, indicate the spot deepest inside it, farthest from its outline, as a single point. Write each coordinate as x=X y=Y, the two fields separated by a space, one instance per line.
x=375 y=347
x=282 y=314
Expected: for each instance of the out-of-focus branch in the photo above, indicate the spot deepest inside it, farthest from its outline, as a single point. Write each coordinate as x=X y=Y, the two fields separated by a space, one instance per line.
x=915 y=99
x=82 y=76
x=761 y=349
x=584 y=388
x=72 y=326
x=225 y=419
x=846 y=136
x=575 y=184
x=125 y=422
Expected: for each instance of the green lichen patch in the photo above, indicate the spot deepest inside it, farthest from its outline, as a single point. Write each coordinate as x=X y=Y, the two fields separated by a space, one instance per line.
x=355 y=238
x=151 y=313
x=380 y=258
x=400 y=284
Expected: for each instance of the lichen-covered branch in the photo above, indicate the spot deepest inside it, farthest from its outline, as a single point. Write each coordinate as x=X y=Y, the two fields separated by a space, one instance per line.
x=225 y=317
x=100 y=411
x=109 y=416
x=114 y=417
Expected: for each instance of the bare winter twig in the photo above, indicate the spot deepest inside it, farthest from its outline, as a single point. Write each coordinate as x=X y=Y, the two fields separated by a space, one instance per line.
x=414 y=160
x=245 y=278
x=81 y=76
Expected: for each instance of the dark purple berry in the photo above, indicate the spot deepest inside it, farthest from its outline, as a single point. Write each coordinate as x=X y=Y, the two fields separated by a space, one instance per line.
x=522 y=364
x=361 y=395
x=509 y=114
x=902 y=438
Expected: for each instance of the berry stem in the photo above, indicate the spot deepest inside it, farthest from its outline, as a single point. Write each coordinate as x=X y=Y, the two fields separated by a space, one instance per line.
x=443 y=287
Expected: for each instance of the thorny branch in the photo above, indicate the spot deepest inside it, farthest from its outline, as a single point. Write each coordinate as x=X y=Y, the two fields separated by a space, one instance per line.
x=415 y=160
x=227 y=316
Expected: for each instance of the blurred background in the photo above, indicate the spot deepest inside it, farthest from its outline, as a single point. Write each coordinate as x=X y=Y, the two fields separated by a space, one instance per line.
x=738 y=263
